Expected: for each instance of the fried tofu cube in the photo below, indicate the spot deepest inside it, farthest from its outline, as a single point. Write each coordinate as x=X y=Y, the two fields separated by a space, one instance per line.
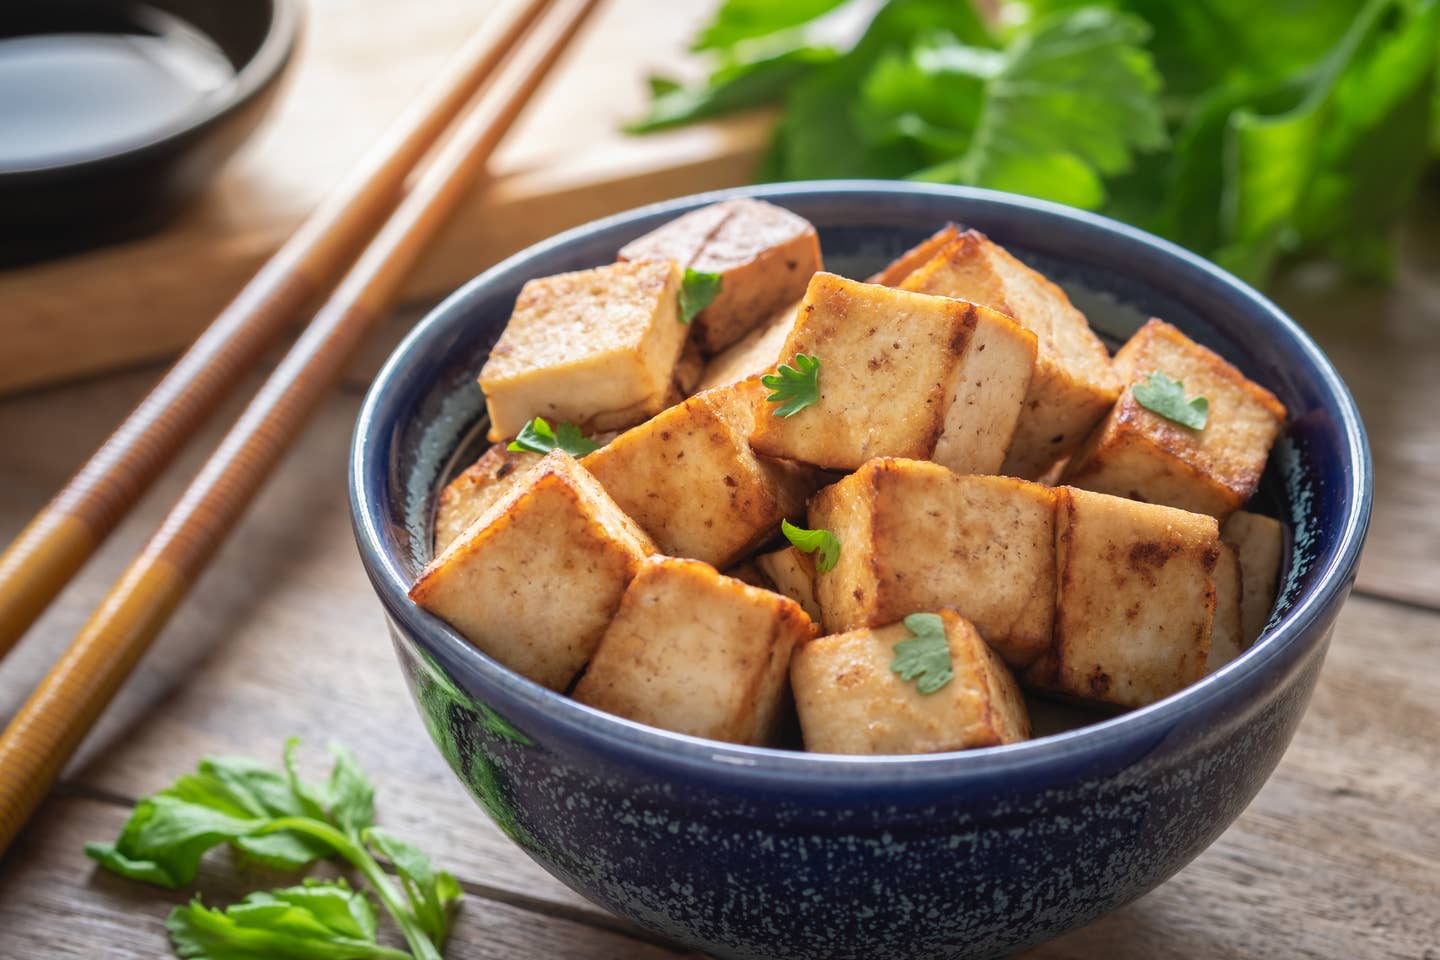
x=915 y=258
x=995 y=373
x=793 y=574
x=689 y=369
x=1135 y=599
x=916 y=536
x=765 y=256
x=534 y=581
x=1072 y=385
x=888 y=365
x=851 y=701
x=1227 y=638
x=691 y=480
x=1140 y=454
x=594 y=347
x=696 y=652
x=470 y=494
x=756 y=353
x=1261 y=541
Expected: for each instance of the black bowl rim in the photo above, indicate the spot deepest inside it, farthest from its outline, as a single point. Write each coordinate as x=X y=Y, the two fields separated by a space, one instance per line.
x=258 y=73
x=1300 y=628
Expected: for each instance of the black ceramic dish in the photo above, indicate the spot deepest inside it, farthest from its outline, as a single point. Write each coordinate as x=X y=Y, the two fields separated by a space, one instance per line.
x=113 y=112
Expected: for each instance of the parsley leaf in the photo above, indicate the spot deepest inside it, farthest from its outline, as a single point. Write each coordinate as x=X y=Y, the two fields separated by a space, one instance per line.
x=697 y=291
x=433 y=894
x=795 y=388
x=739 y=20
x=1160 y=394
x=926 y=655
x=538 y=437
x=735 y=85
x=822 y=543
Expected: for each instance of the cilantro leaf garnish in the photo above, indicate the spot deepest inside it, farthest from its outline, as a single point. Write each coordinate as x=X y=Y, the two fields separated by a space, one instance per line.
x=697 y=291
x=926 y=655
x=287 y=823
x=795 y=387
x=1160 y=394
x=537 y=436
x=822 y=543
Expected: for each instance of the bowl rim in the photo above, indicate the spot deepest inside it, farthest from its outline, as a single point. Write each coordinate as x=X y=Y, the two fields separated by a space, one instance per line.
x=1279 y=646
x=277 y=48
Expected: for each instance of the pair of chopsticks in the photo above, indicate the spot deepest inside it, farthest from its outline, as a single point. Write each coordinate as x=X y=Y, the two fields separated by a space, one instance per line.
x=50 y=725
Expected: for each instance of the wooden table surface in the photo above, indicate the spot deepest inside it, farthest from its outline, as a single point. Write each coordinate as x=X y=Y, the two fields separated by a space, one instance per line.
x=1339 y=855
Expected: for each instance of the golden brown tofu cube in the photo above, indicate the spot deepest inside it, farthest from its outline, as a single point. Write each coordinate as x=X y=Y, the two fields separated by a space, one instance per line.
x=486 y=480
x=1139 y=454
x=690 y=478
x=765 y=256
x=1135 y=599
x=888 y=366
x=1227 y=638
x=534 y=581
x=688 y=371
x=696 y=652
x=793 y=574
x=916 y=257
x=1261 y=541
x=758 y=352
x=1072 y=385
x=851 y=701
x=594 y=347
x=915 y=536
x=995 y=373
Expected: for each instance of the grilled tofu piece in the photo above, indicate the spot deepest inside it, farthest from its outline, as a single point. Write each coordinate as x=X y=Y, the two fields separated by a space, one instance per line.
x=793 y=574
x=470 y=494
x=765 y=256
x=1227 y=635
x=595 y=347
x=691 y=480
x=1261 y=541
x=535 y=579
x=888 y=366
x=1135 y=599
x=696 y=652
x=756 y=353
x=916 y=536
x=850 y=700
x=1139 y=454
x=915 y=258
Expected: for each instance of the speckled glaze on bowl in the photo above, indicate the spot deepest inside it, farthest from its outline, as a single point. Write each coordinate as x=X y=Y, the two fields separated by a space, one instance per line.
x=753 y=853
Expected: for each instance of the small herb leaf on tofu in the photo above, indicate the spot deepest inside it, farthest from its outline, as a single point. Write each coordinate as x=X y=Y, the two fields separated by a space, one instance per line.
x=925 y=657
x=822 y=543
x=1165 y=396
x=537 y=436
x=795 y=388
x=697 y=291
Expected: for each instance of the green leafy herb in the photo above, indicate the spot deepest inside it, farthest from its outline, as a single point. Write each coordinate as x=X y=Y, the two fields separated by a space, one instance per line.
x=925 y=657
x=740 y=20
x=287 y=823
x=1160 y=394
x=538 y=437
x=795 y=388
x=697 y=292
x=822 y=543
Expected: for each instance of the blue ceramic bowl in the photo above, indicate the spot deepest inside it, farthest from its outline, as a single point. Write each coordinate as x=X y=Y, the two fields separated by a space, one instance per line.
x=756 y=853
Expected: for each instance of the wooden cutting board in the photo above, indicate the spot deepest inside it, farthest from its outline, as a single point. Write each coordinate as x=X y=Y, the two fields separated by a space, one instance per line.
x=361 y=61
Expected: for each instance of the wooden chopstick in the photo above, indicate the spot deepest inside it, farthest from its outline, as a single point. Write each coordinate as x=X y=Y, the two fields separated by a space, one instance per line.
x=50 y=725
x=63 y=535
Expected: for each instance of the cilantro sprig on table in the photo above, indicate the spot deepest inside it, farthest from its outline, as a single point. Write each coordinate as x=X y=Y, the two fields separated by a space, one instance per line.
x=1244 y=131
x=697 y=291
x=794 y=388
x=278 y=819
x=925 y=657
x=537 y=436
x=1161 y=394
x=822 y=543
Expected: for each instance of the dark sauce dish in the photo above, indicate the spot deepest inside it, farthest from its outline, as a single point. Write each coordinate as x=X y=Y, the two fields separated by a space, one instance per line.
x=743 y=852
x=113 y=113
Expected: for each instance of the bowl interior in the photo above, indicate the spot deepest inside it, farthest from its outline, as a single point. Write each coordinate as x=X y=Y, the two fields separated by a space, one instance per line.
x=422 y=420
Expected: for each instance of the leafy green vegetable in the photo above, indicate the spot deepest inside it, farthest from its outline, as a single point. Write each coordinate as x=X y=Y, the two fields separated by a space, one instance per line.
x=822 y=543
x=740 y=20
x=925 y=657
x=279 y=818
x=795 y=388
x=697 y=291
x=537 y=436
x=734 y=86
x=1160 y=394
